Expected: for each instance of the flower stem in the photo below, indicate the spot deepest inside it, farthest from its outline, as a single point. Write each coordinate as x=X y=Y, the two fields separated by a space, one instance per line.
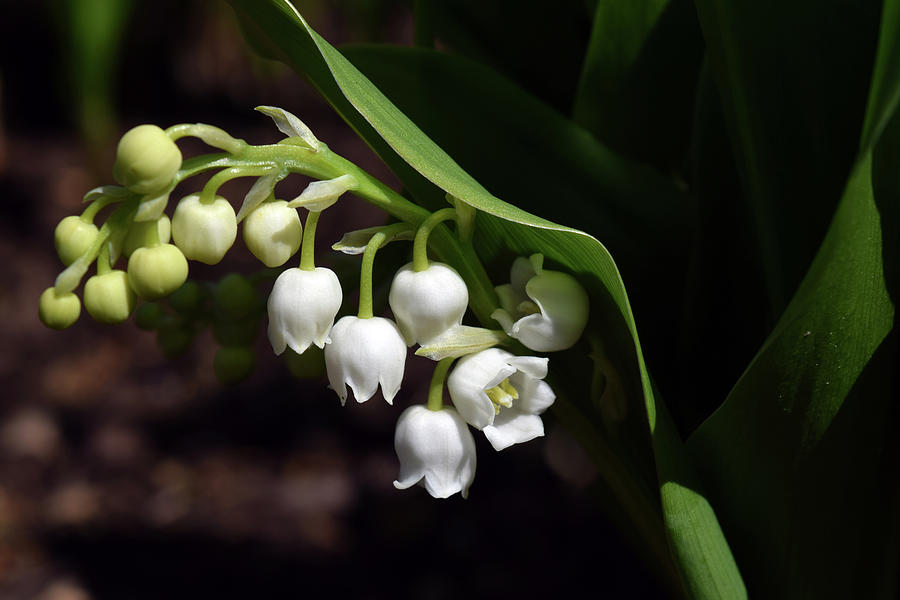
x=96 y=206
x=103 y=266
x=308 y=248
x=214 y=136
x=436 y=388
x=208 y=195
x=368 y=266
x=420 y=245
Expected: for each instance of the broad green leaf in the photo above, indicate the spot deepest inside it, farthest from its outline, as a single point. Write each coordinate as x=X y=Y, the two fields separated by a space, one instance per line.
x=698 y=546
x=638 y=78
x=793 y=79
x=885 y=91
x=521 y=149
x=539 y=48
x=802 y=456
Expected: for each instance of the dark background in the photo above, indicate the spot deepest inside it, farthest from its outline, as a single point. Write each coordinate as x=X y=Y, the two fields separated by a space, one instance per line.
x=124 y=474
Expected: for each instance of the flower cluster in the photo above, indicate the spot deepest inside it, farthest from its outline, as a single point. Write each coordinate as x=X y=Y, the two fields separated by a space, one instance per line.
x=490 y=389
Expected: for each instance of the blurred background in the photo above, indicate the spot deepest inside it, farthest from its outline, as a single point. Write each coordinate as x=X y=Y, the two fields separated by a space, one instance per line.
x=127 y=474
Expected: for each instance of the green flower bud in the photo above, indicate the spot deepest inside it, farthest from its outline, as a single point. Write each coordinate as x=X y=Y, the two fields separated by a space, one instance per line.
x=138 y=233
x=58 y=311
x=188 y=299
x=241 y=332
x=148 y=315
x=234 y=297
x=156 y=272
x=273 y=232
x=146 y=160
x=72 y=237
x=233 y=364
x=204 y=231
x=174 y=341
x=108 y=297
x=309 y=365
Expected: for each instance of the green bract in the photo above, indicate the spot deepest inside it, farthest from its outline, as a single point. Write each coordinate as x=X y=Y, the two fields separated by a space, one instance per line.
x=72 y=237
x=204 y=231
x=58 y=311
x=146 y=160
x=109 y=298
x=157 y=272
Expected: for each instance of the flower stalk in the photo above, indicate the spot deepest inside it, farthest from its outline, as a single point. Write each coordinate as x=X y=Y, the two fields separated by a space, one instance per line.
x=436 y=387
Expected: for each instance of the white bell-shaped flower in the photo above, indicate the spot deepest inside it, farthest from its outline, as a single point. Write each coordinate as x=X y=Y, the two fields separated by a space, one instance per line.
x=427 y=303
x=502 y=394
x=545 y=310
x=302 y=307
x=204 y=231
x=364 y=353
x=273 y=232
x=436 y=450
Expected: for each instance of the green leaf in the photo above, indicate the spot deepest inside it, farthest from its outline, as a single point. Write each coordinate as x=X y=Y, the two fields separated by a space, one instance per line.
x=801 y=458
x=638 y=78
x=885 y=90
x=540 y=49
x=521 y=149
x=696 y=540
x=793 y=79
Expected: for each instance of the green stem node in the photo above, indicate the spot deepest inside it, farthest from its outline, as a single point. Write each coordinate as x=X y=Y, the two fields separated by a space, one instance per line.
x=420 y=245
x=214 y=136
x=436 y=388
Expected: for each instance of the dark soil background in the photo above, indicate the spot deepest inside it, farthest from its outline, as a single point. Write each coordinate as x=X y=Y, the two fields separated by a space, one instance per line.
x=124 y=474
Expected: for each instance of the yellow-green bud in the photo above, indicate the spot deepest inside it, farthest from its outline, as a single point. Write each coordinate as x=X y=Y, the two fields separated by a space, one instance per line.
x=273 y=232
x=72 y=237
x=138 y=233
x=234 y=297
x=233 y=364
x=58 y=311
x=109 y=298
x=146 y=160
x=204 y=231
x=156 y=272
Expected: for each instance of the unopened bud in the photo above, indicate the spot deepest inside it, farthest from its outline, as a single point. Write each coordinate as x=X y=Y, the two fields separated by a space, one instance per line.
x=109 y=298
x=146 y=160
x=204 y=231
x=273 y=232
x=72 y=237
x=156 y=272
x=58 y=311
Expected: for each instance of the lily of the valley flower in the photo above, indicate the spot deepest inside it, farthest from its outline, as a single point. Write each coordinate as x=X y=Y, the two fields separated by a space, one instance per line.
x=427 y=303
x=302 y=307
x=436 y=450
x=364 y=353
x=502 y=394
x=545 y=310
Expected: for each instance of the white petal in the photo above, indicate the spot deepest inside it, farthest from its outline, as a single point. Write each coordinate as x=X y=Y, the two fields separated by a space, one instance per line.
x=513 y=427
x=470 y=378
x=533 y=365
x=522 y=270
x=505 y=319
x=535 y=395
x=564 y=306
x=509 y=297
x=364 y=353
x=427 y=303
x=302 y=307
x=436 y=449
